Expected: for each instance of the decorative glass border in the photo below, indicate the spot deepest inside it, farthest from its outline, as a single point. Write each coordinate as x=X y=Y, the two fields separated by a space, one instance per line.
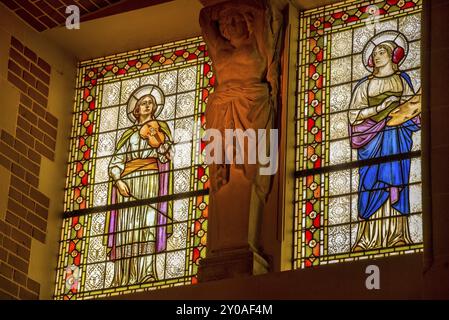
x=91 y=76
x=312 y=123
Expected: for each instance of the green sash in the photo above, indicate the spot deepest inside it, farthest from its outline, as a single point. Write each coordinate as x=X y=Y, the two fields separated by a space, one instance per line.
x=378 y=100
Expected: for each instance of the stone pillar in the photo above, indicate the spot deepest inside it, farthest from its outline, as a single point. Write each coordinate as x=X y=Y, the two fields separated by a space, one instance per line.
x=242 y=39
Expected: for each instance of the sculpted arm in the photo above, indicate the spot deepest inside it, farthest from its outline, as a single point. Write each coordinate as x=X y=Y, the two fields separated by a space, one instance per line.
x=211 y=31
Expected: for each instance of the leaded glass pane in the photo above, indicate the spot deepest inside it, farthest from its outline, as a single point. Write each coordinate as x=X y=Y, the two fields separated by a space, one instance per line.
x=358 y=189
x=138 y=120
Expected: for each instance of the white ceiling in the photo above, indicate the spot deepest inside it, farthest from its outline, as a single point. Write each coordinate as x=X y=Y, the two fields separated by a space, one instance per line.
x=136 y=29
x=131 y=30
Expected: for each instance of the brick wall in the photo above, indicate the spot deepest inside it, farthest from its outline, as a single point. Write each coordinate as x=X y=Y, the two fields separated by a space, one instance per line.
x=21 y=153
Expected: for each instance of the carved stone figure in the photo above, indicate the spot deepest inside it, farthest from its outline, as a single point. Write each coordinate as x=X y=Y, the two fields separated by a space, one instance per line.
x=242 y=40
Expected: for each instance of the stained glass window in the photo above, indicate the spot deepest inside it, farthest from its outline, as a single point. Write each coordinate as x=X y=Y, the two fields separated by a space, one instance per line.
x=136 y=194
x=358 y=166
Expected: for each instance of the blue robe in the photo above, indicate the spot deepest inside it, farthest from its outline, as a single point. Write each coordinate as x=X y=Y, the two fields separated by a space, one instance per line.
x=377 y=182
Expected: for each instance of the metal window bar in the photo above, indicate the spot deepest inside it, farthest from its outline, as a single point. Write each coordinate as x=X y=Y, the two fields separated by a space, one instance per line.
x=142 y=202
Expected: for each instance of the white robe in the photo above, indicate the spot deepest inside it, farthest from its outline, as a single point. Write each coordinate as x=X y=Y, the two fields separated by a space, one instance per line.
x=136 y=226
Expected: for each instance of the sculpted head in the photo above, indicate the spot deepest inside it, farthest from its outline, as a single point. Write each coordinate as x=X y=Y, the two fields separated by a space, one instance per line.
x=233 y=25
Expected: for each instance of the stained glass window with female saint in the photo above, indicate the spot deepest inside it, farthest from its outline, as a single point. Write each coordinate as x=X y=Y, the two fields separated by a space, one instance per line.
x=136 y=194
x=358 y=178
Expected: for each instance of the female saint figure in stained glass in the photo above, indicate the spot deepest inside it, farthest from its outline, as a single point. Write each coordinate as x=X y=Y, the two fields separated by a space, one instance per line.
x=383 y=114
x=140 y=169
